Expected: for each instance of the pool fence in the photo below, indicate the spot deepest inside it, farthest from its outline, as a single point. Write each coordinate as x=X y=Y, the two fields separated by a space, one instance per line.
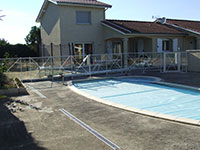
x=30 y=68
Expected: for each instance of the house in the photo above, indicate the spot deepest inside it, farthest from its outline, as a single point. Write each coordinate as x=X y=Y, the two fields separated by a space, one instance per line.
x=81 y=28
x=76 y=22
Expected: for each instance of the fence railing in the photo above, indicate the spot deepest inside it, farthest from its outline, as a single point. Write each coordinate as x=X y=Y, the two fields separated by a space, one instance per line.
x=74 y=65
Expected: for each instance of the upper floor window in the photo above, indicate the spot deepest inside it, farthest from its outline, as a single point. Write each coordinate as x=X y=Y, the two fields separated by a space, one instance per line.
x=83 y=17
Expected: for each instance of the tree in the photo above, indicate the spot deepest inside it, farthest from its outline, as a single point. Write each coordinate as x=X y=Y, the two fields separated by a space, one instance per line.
x=3 y=42
x=17 y=50
x=33 y=39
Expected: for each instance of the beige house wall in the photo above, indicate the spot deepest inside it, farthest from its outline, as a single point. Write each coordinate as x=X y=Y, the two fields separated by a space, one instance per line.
x=189 y=41
x=193 y=55
x=58 y=26
x=111 y=34
x=81 y=33
x=193 y=60
x=50 y=28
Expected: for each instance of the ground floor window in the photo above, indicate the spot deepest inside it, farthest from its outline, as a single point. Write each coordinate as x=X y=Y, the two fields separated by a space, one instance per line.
x=166 y=45
x=117 y=47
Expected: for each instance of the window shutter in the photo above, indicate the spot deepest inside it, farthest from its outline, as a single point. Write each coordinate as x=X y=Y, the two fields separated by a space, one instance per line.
x=175 y=45
x=83 y=17
x=159 y=45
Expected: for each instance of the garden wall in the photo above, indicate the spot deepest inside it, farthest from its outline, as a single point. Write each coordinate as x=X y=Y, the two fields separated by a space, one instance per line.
x=193 y=60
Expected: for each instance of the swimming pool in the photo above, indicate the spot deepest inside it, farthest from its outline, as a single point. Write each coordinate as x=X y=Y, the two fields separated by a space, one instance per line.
x=143 y=94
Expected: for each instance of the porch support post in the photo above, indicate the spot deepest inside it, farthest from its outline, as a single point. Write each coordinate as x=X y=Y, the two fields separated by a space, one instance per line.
x=125 y=51
x=198 y=43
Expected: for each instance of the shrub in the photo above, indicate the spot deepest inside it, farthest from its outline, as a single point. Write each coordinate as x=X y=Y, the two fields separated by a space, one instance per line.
x=3 y=78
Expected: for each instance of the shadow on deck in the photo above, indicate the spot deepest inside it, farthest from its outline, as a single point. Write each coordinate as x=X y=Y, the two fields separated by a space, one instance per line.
x=13 y=133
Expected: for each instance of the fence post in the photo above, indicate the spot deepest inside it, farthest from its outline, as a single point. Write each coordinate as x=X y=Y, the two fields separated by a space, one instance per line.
x=89 y=63
x=179 y=61
x=20 y=64
x=106 y=56
x=52 y=72
x=61 y=55
x=71 y=63
x=51 y=49
x=161 y=62
x=29 y=70
x=44 y=49
x=164 y=62
x=186 y=58
x=121 y=67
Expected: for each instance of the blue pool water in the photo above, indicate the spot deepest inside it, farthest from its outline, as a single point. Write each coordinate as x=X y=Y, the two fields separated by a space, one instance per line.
x=141 y=93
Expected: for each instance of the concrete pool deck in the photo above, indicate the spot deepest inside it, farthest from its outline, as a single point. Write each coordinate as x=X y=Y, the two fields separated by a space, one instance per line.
x=130 y=131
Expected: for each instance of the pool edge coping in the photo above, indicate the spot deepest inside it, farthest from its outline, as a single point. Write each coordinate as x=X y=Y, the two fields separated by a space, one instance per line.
x=136 y=110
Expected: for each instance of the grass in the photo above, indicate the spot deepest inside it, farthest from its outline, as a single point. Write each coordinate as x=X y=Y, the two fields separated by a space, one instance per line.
x=35 y=74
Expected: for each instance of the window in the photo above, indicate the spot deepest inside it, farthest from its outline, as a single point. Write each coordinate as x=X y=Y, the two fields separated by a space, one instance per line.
x=116 y=47
x=83 y=17
x=81 y=50
x=166 y=45
x=169 y=45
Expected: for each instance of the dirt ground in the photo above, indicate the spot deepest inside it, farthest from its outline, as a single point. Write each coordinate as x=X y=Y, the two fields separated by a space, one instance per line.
x=35 y=123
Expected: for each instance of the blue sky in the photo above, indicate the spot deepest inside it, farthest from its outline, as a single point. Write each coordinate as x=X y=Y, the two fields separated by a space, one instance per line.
x=21 y=15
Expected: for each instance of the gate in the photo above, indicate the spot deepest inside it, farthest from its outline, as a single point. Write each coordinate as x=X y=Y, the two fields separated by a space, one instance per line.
x=172 y=62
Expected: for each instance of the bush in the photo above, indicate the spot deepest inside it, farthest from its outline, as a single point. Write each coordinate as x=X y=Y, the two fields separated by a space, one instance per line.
x=3 y=78
x=18 y=50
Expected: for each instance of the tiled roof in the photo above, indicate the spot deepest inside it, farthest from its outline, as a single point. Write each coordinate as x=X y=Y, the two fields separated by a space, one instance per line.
x=191 y=25
x=84 y=2
x=141 y=27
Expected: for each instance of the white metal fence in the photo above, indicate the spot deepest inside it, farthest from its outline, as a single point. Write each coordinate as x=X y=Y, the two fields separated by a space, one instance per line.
x=44 y=67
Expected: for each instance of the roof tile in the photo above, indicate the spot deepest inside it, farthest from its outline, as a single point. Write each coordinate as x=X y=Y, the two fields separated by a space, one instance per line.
x=141 y=27
x=85 y=2
x=188 y=24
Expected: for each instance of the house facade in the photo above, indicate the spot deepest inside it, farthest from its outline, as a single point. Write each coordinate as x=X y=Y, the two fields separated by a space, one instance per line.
x=81 y=28
x=72 y=23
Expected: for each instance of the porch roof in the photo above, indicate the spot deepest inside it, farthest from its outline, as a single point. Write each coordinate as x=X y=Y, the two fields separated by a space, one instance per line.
x=140 y=27
x=187 y=24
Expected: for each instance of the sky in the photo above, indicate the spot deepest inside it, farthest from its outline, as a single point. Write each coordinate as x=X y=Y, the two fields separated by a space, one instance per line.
x=21 y=14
